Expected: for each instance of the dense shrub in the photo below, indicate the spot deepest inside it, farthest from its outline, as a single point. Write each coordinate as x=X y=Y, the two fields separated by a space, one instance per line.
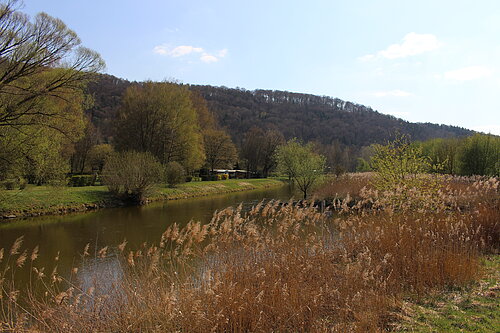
x=98 y=155
x=13 y=183
x=82 y=180
x=10 y=184
x=22 y=183
x=175 y=174
x=225 y=176
x=211 y=178
x=131 y=175
x=51 y=170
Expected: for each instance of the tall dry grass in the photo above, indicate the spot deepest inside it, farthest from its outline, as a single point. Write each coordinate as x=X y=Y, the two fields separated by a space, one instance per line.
x=279 y=268
x=346 y=184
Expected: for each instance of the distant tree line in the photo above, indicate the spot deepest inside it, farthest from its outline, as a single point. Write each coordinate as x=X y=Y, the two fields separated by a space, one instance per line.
x=340 y=130
x=478 y=154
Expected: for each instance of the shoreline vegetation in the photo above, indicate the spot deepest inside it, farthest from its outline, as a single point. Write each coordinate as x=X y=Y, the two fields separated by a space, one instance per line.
x=56 y=200
x=402 y=260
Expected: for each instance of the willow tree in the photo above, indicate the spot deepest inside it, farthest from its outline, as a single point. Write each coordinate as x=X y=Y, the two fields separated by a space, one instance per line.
x=40 y=58
x=159 y=117
x=43 y=74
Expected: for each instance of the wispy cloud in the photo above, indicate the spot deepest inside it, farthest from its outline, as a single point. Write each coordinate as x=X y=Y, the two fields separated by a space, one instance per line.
x=184 y=50
x=222 y=53
x=178 y=51
x=468 y=73
x=392 y=93
x=413 y=44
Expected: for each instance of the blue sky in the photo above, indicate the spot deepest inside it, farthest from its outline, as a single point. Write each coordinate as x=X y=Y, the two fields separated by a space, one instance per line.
x=423 y=61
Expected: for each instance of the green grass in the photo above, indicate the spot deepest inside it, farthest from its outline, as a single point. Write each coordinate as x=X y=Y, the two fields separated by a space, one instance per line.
x=40 y=200
x=472 y=309
x=196 y=189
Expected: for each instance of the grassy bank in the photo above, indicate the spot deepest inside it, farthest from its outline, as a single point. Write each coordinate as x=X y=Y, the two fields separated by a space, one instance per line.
x=42 y=200
x=475 y=308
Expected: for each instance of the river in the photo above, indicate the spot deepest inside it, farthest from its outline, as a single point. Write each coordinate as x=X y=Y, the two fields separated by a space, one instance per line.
x=66 y=236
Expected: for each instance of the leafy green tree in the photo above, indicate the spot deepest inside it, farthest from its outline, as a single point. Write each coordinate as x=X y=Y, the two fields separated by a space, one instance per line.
x=82 y=148
x=258 y=150
x=159 y=117
x=131 y=175
x=43 y=74
x=480 y=155
x=39 y=59
x=175 y=174
x=21 y=145
x=45 y=164
x=301 y=164
x=363 y=165
x=399 y=163
x=98 y=155
x=206 y=119
x=402 y=174
x=443 y=153
x=270 y=142
x=251 y=150
x=220 y=150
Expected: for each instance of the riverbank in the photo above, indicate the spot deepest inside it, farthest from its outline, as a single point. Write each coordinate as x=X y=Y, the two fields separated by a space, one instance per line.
x=50 y=200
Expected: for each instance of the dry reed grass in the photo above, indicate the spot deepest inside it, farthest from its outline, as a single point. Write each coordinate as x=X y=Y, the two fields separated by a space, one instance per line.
x=278 y=268
x=341 y=186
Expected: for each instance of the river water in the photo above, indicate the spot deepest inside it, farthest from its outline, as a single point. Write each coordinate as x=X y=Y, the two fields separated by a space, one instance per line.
x=66 y=236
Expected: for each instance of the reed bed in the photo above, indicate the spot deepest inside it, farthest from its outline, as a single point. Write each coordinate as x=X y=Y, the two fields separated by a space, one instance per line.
x=281 y=267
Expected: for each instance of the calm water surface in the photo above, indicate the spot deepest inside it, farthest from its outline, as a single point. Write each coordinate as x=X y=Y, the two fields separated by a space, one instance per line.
x=67 y=235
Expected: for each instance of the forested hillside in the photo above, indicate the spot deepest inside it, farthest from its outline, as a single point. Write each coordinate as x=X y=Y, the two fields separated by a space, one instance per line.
x=312 y=118
x=339 y=129
x=307 y=117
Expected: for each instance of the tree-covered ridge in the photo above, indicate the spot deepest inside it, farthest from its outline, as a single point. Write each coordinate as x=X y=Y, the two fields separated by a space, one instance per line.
x=308 y=117
x=312 y=118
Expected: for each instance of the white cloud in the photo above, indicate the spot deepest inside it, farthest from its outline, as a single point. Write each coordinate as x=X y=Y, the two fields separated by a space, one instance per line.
x=161 y=49
x=392 y=93
x=413 y=44
x=208 y=58
x=184 y=50
x=489 y=129
x=468 y=73
x=176 y=51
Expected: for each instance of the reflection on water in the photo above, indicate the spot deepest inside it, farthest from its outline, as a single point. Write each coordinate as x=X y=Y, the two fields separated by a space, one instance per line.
x=68 y=234
x=101 y=275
